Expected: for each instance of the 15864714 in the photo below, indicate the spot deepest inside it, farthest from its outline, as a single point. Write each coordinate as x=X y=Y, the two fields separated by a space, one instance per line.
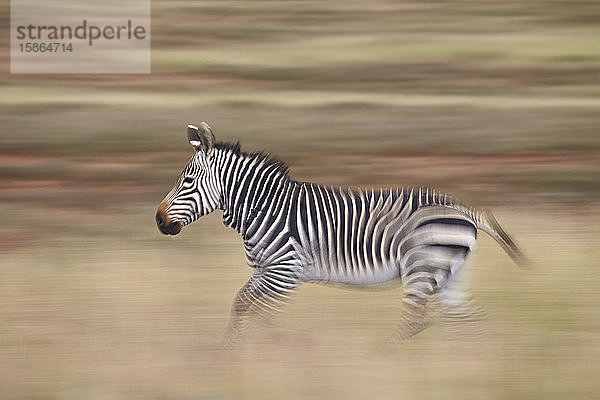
x=51 y=47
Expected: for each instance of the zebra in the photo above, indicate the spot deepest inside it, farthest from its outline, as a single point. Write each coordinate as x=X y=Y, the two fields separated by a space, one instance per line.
x=296 y=232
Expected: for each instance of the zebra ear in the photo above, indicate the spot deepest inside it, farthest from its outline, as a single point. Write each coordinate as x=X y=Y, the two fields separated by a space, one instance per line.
x=201 y=138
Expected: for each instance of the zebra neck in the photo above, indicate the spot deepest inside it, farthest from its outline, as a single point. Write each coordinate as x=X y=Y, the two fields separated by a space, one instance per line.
x=252 y=184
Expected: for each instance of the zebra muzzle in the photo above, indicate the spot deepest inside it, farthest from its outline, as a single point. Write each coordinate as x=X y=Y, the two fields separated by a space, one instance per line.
x=165 y=225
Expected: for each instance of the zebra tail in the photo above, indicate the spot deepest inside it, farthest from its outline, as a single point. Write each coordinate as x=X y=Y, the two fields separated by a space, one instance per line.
x=488 y=223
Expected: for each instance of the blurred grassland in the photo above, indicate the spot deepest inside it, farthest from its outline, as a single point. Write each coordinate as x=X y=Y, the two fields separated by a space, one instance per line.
x=496 y=102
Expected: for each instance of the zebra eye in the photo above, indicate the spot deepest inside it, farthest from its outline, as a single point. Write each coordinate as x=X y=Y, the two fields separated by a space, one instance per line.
x=188 y=179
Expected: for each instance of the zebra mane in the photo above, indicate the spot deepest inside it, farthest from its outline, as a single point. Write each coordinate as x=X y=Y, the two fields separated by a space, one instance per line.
x=262 y=156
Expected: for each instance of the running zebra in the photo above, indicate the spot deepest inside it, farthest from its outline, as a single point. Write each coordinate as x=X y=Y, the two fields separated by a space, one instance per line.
x=297 y=232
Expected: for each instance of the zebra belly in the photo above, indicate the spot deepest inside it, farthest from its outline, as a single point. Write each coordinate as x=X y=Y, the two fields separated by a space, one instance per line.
x=352 y=275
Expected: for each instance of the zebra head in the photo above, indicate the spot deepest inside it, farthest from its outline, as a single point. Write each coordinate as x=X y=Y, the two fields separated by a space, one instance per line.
x=197 y=190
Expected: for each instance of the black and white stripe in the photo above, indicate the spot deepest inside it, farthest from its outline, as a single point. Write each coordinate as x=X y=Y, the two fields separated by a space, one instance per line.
x=298 y=232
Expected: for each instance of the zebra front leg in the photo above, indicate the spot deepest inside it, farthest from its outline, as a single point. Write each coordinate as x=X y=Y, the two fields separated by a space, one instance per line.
x=265 y=293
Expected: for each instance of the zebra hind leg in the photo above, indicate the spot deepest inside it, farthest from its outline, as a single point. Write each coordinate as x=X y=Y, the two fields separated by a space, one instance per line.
x=459 y=309
x=415 y=296
x=427 y=271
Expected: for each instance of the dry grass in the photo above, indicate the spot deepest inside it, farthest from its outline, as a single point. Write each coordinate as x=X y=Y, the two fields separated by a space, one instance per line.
x=116 y=311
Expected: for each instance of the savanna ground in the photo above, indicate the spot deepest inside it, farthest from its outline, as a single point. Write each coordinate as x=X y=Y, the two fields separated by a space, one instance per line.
x=496 y=102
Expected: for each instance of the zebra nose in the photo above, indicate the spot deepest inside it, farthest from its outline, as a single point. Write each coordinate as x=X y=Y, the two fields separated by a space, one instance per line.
x=160 y=221
x=165 y=226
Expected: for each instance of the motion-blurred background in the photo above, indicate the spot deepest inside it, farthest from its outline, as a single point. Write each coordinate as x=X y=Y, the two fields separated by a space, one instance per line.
x=496 y=102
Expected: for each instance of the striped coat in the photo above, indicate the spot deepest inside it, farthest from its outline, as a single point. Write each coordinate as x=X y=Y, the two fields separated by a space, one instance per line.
x=297 y=232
